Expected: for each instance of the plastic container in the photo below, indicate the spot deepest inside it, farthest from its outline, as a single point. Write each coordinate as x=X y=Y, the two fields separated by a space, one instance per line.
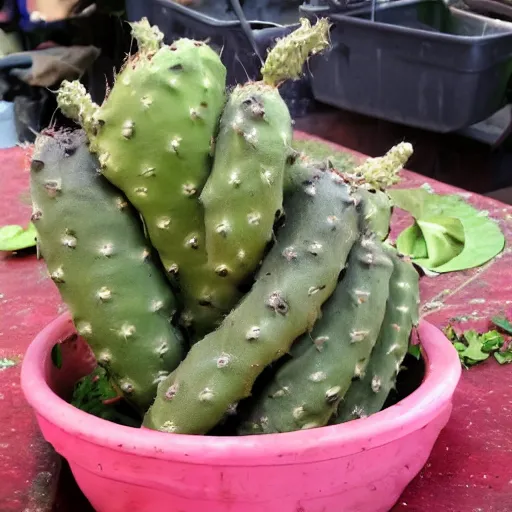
x=228 y=38
x=361 y=466
x=420 y=63
x=8 y=134
x=322 y=8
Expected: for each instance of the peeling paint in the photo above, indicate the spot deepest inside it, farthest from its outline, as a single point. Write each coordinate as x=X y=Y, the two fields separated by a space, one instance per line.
x=428 y=306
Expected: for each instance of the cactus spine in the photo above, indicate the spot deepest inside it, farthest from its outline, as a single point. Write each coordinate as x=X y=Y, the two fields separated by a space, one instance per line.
x=368 y=394
x=298 y=275
x=94 y=248
x=154 y=137
x=307 y=389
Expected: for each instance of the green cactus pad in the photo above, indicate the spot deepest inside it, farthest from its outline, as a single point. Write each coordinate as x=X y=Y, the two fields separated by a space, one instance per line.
x=244 y=192
x=93 y=245
x=306 y=390
x=368 y=394
x=154 y=139
x=298 y=275
x=377 y=210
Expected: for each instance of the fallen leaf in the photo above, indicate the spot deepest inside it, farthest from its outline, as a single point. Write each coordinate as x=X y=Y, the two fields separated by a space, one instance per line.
x=14 y=238
x=456 y=236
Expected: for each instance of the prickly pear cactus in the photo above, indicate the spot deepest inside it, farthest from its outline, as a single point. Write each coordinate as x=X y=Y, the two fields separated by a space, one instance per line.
x=299 y=169
x=383 y=171
x=286 y=59
x=306 y=390
x=368 y=394
x=94 y=248
x=377 y=210
x=298 y=275
x=154 y=139
x=244 y=194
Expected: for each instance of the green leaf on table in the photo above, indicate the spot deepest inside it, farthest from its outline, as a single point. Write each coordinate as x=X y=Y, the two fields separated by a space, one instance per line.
x=14 y=238
x=472 y=353
x=504 y=357
x=433 y=241
x=473 y=348
x=502 y=323
x=448 y=234
x=450 y=333
x=412 y=243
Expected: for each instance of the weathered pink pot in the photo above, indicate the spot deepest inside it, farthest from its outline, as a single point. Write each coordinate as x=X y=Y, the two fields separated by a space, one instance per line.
x=361 y=466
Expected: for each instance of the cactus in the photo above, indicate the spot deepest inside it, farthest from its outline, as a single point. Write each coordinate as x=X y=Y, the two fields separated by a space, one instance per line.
x=383 y=171
x=371 y=178
x=368 y=394
x=95 y=251
x=376 y=207
x=154 y=138
x=306 y=390
x=286 y=59
x=377 y=210
x=297 y=276
x=244 y=193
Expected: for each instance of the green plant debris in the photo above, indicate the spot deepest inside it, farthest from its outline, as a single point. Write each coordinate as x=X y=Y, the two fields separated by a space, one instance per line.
x=502 y=323
x=415 y=351
x=342 y=161
x=6 y=363
x=448 y=234
x=15 y=238
x=96 y=395
x=503 y=356
x=474 y=348
x=56 y=355
x=384 y=171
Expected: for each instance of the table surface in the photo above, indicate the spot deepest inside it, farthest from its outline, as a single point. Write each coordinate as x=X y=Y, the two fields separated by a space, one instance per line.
x=470 y=468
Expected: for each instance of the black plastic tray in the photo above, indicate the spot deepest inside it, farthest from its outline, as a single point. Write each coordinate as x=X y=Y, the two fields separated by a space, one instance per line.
x=324 y=8
x=227 y=37
x=420 y=63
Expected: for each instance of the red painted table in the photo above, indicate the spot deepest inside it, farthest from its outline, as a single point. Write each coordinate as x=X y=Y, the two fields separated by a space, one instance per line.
x=470 y=469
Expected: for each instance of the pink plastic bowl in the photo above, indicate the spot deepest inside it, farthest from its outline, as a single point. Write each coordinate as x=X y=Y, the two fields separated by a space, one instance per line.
x=361 y=466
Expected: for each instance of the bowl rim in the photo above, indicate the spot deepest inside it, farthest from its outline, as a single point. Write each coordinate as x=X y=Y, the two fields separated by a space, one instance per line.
x=442 y=374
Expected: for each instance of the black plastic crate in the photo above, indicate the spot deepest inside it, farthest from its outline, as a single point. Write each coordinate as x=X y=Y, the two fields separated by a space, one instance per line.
x=229 y=39
x=420 y=63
